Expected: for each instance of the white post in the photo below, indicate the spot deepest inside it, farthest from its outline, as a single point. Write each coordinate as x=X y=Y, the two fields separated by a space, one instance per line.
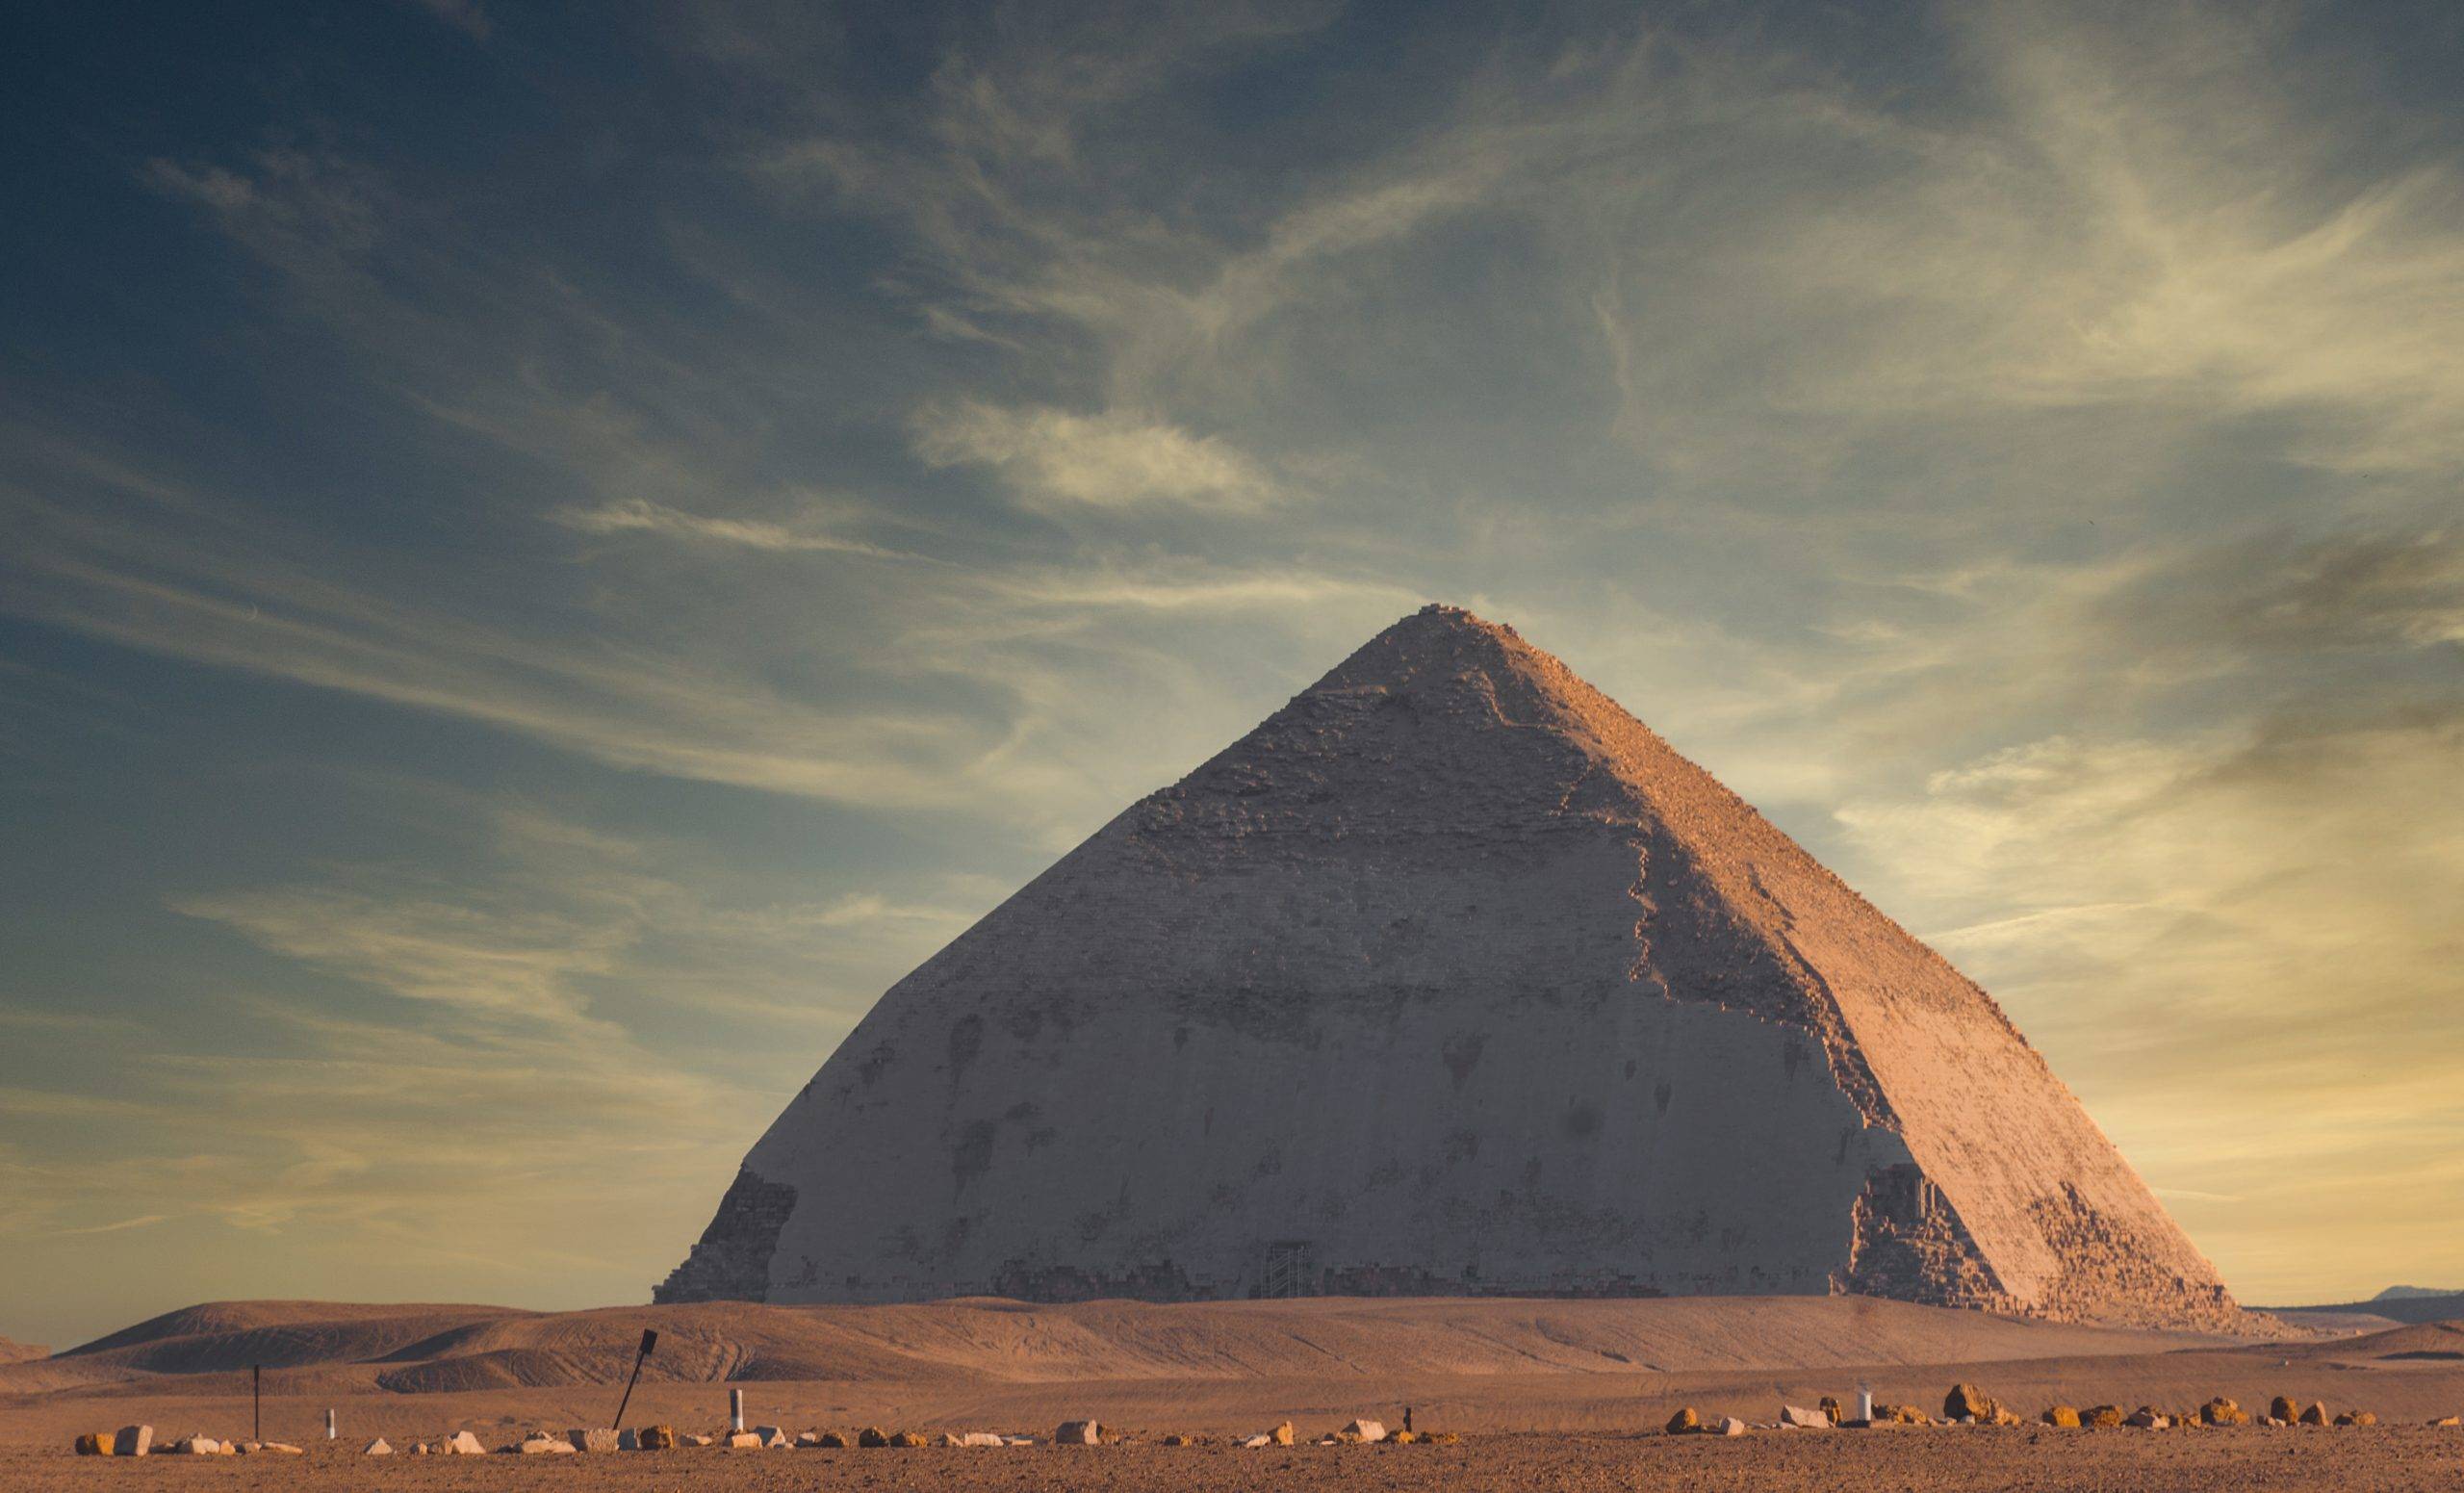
x=735 y=1410
x=1864 y=1403
x=329 y=1423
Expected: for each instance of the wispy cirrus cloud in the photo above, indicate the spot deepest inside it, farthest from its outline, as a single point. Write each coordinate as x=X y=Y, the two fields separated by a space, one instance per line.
x=1054 y=458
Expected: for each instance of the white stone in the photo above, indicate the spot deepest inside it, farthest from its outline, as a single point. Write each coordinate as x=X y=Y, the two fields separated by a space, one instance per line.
x=981 y=1438
x=133 y=1441
x=1727 y=1426
x=462 y=1444
x=1367 y=1431
x=1803 y=1418
x=379 y=1447
x=1077 y=1433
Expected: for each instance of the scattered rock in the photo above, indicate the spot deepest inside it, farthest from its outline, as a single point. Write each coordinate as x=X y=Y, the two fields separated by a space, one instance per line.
x=133 y=1441
x=2313 y=1414
x=773 y=1435
x=655 y=1439
x=1077 y=1433
x=1178 y=1440
x=462 y=1444
x=981 y=1438
x=2066 y=1416
x=200 y=1445
x=2357 y=1418
x=2220 y=1411
x=1967 y=1402
x=745 y=1441
x=1804 y=1418
x=872 y=1436
x=1442 y=1438
x=910 y=1439
x=2282 y=1408
x=94 y=1443
x=379 y=1447
x=1727 y=1426
x=2449 y=1419
x=2146 y=1418
x=1281 y=1435
x=595 y=1440
x=693 y=1439
x=1255 y=1442
x=1685 y=1422
x=832 y=1441
x=1405 y=1438
x=544 y=1445
x=1832 y=1410
x=272 y=1448
x=1364 y=1431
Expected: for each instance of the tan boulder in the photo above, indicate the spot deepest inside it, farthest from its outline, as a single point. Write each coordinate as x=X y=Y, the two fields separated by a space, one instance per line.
x=2449 y=1419
x=2282 y=1408
x=2146 y=1418
x=1364 y=1431
x=745 y=1441
x=1799 y=1418
x=2063 y=1415
x=1282 y=1435
x=656 y=1438
x=1078 y=1433
x=380 y=1447
x=593 y=1439
x=1726 y=1426
x=94 y=1443
x=1685 y=1422
x=462 y=1444
x=133 y=1441
x=2357 y=1418
x=2221 y=1411
x=1832 y=1410
x=1969 y=1402
x=272 y=1448
x=834 y=1440
x=2313 y=1414
x=872 y=1436
x=1442 y=1438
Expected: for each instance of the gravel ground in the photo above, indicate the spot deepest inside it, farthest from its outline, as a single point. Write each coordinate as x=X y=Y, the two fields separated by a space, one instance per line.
x=2390 y=1459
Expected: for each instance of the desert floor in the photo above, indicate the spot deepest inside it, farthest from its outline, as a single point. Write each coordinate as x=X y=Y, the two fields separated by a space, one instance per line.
x=1547 y=1394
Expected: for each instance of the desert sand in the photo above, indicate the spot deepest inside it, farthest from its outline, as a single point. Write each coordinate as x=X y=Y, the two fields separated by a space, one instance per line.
x=1545 y=1393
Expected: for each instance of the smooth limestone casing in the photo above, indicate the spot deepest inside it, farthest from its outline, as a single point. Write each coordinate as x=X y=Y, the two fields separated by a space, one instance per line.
x=1450 y=977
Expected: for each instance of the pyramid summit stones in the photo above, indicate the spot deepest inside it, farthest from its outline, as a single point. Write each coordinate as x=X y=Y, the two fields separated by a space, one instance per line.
x=1451 y=978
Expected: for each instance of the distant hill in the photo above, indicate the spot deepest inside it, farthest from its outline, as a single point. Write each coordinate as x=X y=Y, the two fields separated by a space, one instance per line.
x=2414 y=1306
x=13 y=1351
x=2408 y=1293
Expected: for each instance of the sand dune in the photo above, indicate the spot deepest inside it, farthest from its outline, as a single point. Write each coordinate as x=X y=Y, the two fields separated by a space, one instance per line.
x=431 y=1349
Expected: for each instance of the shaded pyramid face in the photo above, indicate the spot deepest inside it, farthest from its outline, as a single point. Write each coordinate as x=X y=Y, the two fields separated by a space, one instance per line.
x=1450 y=978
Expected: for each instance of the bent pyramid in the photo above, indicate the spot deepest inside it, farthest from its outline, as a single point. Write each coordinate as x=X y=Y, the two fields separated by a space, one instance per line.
x=1451 y=978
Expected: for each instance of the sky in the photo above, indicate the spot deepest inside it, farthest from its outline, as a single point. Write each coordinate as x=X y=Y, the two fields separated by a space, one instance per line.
x=549 y=553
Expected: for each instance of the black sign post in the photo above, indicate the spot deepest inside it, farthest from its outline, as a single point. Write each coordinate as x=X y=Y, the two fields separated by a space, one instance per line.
x=649 y=1340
